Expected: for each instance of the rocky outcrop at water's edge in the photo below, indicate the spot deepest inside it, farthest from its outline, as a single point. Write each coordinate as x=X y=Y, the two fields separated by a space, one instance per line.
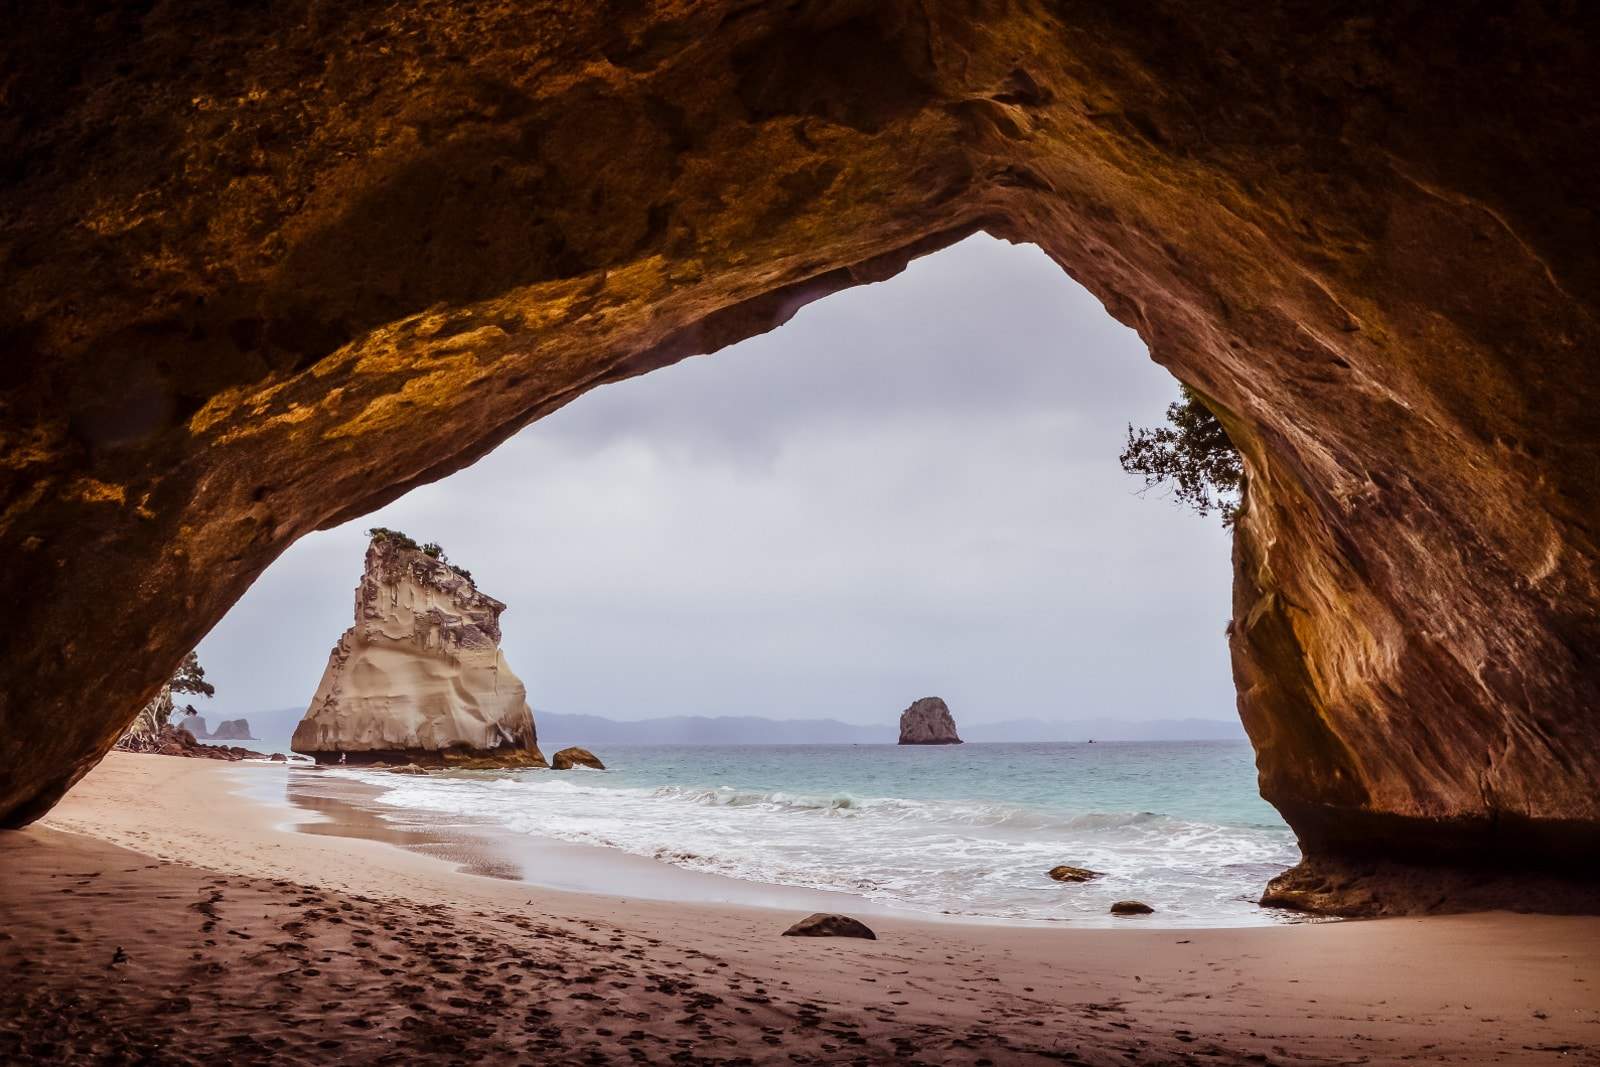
x=419 y=678
x=928 y=722
x=568 y=758
x=232 y=730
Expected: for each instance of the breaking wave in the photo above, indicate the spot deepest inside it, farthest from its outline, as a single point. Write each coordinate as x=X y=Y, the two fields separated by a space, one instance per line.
x=954 y=854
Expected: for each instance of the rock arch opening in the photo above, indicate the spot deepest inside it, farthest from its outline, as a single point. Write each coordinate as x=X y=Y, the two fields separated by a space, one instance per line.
x=910 y=488
x=913 y=484
x=313 y=284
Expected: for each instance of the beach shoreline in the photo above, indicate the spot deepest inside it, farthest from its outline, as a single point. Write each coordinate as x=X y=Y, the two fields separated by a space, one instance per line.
x=239 y=931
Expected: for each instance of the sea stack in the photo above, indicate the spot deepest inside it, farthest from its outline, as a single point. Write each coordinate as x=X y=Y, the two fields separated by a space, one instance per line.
x=232 y=730
x=420 y=677
x=928 y=722
x=195 y=724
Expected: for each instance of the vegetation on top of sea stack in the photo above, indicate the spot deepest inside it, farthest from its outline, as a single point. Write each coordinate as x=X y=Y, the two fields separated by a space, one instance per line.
x=1193 y=454
x=432 y=549
x=383 y=533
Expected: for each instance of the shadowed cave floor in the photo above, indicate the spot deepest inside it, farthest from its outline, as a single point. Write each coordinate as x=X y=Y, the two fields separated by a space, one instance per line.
x=165 y=963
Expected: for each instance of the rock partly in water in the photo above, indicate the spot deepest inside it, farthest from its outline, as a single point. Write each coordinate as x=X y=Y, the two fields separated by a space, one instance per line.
x=928 y=722
x=824 y=924
x=420 y=677
x=195 y=724
x=232 y=730
x=409 y=768
x=1064 y=873
x=279 y=757
x=569 y=758
x=1131 y=907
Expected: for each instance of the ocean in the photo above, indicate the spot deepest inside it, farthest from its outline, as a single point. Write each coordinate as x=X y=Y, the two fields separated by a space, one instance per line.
x=965 y=831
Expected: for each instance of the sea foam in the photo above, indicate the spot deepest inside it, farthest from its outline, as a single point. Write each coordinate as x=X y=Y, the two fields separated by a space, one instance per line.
x=950 y=854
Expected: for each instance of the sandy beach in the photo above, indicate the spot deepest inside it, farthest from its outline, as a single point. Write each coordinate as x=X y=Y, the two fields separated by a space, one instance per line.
x=218 y=932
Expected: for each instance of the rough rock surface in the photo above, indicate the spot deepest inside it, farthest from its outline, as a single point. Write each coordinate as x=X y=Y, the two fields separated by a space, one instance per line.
x=1365 y=889
x=928 y=722
x=176 y=741
x=232 y=730
x=270 y=265
x=568 y=758
x=1065 y=873
x=420 y=678
x=1131 y=907
x=823 y=924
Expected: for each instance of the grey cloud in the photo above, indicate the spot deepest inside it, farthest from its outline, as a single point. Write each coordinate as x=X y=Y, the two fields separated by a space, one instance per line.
x=912 y=488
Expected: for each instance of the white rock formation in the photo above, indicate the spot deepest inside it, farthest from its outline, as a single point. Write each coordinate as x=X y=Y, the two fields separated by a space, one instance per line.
x=420 y=677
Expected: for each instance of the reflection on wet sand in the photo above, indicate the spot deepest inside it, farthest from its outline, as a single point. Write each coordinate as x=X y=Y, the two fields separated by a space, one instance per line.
x=346 y=808
x=337 y=805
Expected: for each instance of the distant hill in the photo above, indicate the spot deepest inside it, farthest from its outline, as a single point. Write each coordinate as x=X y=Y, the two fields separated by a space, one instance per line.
x=705 y=730
x=1104 y=729
x=276 y=724
x=753 y=730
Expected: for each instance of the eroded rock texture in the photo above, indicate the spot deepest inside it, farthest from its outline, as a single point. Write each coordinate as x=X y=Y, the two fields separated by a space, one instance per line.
x=268 y=266
x=928 y=722
x=419 y=678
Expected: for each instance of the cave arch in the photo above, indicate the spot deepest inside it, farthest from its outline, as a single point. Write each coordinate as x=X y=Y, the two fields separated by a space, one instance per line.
x=332 y=255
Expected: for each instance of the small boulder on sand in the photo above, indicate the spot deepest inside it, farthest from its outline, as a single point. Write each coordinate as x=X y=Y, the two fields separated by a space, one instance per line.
x=279 y=757
x=569 y=758
x=1064 y=873
x=824 y=924
x=1131 y=907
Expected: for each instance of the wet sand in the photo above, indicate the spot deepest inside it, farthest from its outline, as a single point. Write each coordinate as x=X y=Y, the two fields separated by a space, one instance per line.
x=244 y=940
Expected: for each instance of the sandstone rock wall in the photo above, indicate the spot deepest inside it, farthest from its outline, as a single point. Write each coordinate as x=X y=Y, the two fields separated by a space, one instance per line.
x=269 y=266
x=420 y=677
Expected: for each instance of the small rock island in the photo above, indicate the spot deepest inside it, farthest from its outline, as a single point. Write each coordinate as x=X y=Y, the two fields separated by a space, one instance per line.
x=928 y=722
x=420 y=678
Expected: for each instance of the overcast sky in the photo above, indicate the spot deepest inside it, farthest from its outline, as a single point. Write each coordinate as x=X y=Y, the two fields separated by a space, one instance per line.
x=911 y=489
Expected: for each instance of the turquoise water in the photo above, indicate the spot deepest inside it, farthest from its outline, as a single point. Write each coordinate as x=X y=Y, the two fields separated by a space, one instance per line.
x=959 y=830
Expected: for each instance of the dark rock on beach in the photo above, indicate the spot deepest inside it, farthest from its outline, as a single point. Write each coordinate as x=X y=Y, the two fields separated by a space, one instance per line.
x=1064 y=873
x=1131 y=907
x=176 y=741
x=824 y=924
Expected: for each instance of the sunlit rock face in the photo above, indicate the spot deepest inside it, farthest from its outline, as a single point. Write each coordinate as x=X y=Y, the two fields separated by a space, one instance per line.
x=420 y=677
x=267 y=269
